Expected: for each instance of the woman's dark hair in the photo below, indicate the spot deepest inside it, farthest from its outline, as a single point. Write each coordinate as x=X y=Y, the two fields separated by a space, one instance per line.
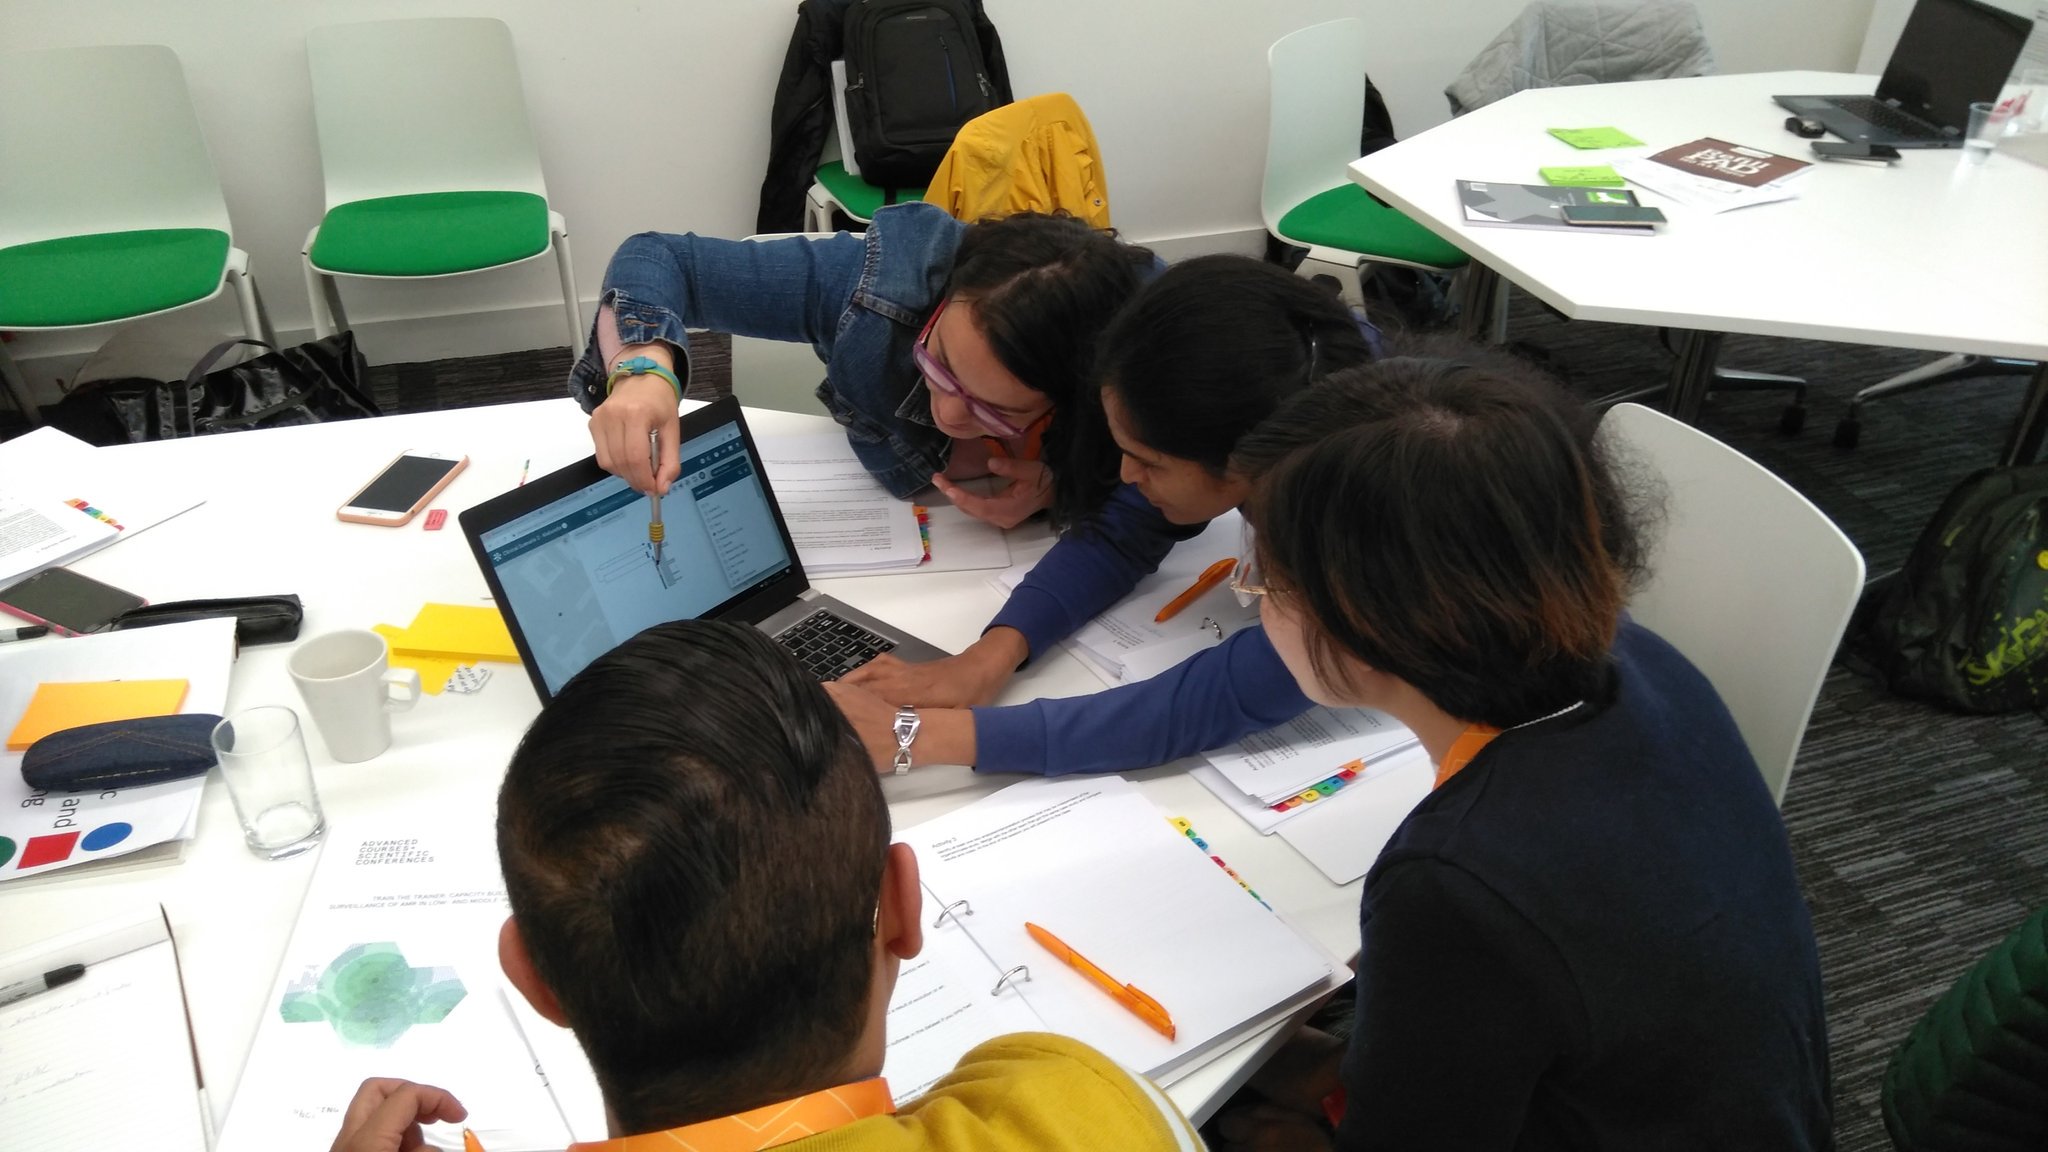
x=1452 y=520
x=1210 y=348
x=1043 y=287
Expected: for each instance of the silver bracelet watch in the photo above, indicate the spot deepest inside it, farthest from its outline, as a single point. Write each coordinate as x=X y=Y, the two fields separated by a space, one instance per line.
x=907 y=724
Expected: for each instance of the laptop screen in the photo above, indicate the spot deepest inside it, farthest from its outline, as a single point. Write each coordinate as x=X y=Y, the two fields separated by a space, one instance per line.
x=1951 y=54
x=578 y=574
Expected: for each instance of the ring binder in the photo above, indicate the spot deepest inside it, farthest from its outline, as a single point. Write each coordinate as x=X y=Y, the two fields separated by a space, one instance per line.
x=1211 y=624
x=1024 y=968
x=948 y=911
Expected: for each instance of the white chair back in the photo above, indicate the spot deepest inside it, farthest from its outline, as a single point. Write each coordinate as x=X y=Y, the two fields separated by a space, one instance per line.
x=101 y=139
x=428 y=105
x=1317 y=80
x=781 y=375
x=1750 y=580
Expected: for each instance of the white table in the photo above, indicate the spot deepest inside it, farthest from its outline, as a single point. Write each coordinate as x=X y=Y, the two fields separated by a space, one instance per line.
x=1928 y=253
x=268 y=526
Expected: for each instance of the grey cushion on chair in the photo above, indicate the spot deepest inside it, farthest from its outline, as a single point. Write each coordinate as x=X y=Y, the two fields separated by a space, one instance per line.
x=1551 y=45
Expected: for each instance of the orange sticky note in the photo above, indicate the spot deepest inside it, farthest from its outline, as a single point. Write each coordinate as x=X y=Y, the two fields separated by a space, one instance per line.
x=72 y=704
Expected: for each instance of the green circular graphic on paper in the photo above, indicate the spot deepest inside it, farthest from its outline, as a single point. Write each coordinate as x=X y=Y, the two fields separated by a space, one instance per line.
x=370 y=995
x=6 y=851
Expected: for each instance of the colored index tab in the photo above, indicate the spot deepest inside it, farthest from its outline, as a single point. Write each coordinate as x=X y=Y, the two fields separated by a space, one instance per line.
x=59 y=705
x=1595 y=137
x=1587 y=176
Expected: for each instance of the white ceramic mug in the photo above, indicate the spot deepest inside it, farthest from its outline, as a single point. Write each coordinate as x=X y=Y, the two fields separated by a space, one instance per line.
x=351 y=690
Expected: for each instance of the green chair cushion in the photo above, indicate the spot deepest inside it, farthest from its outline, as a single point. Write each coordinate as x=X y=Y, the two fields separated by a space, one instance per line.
x=108 y=276
x=860 y=198
x=1346 y=217
x=431 y=233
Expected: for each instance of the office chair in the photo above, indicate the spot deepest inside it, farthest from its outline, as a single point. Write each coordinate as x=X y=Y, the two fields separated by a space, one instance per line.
x=1958 y=366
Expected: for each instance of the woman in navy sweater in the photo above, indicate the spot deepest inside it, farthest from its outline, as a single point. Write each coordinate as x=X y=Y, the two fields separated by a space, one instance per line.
x=1201 y=354
x=1589 y=935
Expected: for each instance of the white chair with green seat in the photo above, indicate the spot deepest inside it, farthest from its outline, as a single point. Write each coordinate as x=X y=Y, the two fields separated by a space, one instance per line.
x=837 y=183
x=428 y=158
x=1318 y=107
x=109 y=206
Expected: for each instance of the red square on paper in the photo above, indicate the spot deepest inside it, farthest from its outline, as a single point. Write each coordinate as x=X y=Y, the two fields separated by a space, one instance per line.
x=42 y=850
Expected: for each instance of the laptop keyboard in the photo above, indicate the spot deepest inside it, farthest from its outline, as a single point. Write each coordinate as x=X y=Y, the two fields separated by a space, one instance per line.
x=1887 y=117
x=831 y=647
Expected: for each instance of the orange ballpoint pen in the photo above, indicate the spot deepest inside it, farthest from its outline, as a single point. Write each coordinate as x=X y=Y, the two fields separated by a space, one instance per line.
x=1211 y=576
x=1142 y=1006
x=470 y=1143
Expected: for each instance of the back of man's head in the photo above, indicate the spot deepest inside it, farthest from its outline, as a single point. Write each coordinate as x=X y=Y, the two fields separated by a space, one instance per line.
x=693 y=843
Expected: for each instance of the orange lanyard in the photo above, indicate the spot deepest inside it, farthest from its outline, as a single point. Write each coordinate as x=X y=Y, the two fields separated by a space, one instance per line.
x=764 y=1127
x=1469 y=743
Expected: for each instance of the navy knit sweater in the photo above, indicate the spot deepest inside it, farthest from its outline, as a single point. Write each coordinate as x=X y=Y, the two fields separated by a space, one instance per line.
x=1592 y=938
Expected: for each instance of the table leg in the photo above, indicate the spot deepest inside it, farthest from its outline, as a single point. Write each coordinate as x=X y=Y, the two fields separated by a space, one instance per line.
x=2024 y=446
x=1478 y=297
x=1692 y=374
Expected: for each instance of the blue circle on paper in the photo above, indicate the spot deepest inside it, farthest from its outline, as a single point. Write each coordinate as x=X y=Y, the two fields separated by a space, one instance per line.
x=106 y=836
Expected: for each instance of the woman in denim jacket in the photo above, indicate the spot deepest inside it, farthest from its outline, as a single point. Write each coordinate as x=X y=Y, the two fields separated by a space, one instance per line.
x=950 y=350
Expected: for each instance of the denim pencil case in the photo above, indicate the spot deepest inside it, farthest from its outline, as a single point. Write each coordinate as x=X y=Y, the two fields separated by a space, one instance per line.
x=121 y=753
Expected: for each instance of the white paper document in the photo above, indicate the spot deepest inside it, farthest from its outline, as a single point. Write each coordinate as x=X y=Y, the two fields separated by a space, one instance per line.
x=1343 y=835
x=842 y=520
x=49 y=830
x=68 y=481
x=106 y=1060
x=1093 y=862
x=1309 y=749
x=392 y=970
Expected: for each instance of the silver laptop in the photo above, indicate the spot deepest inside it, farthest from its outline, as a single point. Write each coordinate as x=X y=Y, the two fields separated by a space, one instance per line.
x=568 y=560
x=1952 y=53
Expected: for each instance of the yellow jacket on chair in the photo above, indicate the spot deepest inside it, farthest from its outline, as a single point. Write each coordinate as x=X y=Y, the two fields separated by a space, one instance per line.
x=1035 y=155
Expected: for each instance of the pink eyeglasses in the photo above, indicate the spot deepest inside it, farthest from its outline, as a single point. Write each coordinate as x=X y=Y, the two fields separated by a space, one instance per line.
x=939 y=377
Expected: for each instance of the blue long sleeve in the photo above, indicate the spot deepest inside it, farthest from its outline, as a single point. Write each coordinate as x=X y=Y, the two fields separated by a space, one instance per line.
x=1210 y=699
x=1091 y=568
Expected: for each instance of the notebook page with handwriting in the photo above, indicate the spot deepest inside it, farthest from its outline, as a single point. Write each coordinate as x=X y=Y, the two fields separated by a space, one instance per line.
x=102 y=1062
x=1098 y=865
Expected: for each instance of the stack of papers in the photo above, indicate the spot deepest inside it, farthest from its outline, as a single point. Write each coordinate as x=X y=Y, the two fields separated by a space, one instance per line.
x=61 y=498
x=1126 y=644
x=1273 y=776
x=842 y=520
x=44 y=831
x=1714 y=175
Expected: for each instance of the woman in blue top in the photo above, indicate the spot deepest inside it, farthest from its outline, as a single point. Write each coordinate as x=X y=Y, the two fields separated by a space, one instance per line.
x=950 y=350
x=1203 y=354
x=1590 y=934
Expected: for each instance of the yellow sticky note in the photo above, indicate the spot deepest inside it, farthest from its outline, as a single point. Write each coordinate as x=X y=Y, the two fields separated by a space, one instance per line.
x=59 y=705
x=468 y=632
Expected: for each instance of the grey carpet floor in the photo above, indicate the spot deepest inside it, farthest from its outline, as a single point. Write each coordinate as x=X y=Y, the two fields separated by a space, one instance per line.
x=1921 y=836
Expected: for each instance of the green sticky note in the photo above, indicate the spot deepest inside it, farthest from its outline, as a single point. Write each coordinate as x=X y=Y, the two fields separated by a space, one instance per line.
x=1590 y=176
x=1595 y=137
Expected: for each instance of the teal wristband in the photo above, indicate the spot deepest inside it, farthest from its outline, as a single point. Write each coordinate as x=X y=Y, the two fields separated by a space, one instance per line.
x=642 y=366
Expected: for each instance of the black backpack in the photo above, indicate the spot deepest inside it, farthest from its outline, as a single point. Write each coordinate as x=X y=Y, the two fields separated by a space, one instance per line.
x=1965 y=623
x=916 y=70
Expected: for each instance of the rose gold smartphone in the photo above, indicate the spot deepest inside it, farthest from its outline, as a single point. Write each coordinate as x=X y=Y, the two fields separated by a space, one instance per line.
x=406 y=485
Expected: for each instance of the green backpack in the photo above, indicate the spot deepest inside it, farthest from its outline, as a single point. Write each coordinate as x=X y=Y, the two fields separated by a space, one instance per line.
x=1965 y=623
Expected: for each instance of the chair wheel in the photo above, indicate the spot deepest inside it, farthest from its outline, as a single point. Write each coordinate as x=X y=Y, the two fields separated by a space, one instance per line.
x=1793 y=419
x=1848 y=432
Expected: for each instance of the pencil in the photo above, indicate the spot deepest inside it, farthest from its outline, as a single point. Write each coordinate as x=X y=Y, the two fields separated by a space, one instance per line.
x=523 y=470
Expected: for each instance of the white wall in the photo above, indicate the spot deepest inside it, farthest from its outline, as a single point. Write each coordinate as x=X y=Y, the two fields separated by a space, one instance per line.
x=655 y=115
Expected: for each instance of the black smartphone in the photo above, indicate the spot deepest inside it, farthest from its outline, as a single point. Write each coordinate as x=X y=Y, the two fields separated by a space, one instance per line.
x=70 y=604
x=1846 y=150
x=1628 y=215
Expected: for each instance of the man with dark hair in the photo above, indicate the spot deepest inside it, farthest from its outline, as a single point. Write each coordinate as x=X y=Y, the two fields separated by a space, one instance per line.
x=697 y=856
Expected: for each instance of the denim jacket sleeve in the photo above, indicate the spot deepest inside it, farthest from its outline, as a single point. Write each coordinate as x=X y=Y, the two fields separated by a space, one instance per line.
x=858 y=301
x=1216 y=696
